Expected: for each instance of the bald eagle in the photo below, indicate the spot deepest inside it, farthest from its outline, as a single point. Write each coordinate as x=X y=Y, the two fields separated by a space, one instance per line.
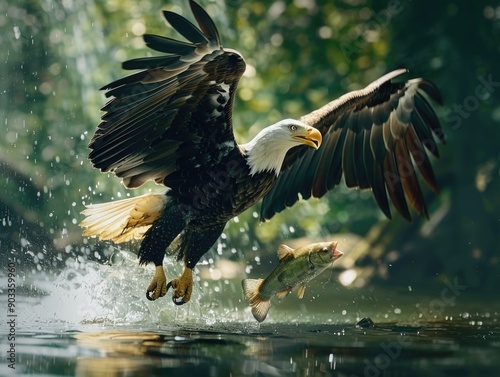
x=171 y=122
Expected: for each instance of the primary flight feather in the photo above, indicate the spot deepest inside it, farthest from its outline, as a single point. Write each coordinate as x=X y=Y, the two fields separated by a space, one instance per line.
x=171 y=122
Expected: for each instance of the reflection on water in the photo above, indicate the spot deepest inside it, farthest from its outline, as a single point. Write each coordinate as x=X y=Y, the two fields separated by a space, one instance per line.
x=94 y=320
x=276 y=349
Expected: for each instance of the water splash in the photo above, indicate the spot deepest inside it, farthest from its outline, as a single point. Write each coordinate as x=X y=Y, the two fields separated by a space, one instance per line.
x=92 y=293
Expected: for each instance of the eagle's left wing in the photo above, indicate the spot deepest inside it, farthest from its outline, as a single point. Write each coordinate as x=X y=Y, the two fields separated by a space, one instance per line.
x=376 y=138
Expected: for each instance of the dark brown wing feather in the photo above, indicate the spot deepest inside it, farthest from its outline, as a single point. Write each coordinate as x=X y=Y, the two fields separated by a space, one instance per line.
x=376 y=138
x=178 y=105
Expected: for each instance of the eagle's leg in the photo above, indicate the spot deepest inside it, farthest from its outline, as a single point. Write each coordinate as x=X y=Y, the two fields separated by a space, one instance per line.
x=158 y=286
x=196 y=242
x=183 y=287
x=156 y=240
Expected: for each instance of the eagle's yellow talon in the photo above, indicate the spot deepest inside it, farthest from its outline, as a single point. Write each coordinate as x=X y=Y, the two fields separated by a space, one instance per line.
x=183 y=287
x=158 y=286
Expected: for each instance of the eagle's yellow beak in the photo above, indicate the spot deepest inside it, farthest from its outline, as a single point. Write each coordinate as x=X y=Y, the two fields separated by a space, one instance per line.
x=309 y=136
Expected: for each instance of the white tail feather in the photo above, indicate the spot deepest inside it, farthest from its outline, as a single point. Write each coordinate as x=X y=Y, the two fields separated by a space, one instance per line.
x=123 y=220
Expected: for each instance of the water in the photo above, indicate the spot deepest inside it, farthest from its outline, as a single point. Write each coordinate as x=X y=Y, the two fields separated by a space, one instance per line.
x=94 y=320
x=273 y=349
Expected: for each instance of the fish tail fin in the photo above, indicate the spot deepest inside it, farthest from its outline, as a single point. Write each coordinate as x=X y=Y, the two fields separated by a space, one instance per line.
x=123 y=220
x=260 y=307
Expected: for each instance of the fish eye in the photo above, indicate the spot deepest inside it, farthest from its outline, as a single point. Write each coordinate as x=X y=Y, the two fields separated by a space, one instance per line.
x=292 y=127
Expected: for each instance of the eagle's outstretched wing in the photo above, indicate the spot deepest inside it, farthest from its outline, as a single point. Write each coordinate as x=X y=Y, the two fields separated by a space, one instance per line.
x=177 y=105
x=376 y=138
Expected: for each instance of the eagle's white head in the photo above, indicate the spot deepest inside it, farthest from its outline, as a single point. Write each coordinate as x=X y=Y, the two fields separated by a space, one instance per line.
x=267 y=150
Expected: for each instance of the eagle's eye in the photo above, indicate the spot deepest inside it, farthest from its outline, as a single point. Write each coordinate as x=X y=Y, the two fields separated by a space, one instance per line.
x=292 y=127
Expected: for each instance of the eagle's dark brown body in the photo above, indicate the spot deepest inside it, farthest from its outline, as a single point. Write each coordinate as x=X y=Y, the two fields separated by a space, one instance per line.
x=201 y=202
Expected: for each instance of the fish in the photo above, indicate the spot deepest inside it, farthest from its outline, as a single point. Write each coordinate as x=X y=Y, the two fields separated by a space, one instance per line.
x=296 y=268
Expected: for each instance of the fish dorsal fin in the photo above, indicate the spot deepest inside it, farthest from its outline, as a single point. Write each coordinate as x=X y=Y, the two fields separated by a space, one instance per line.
x=280 y=295
x=301 y=290
x=284 y=251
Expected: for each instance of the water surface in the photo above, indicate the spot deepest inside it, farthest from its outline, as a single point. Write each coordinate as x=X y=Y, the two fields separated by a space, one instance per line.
x=94 y=320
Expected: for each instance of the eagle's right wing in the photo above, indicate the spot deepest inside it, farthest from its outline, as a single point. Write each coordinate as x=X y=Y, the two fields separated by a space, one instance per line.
x=376 y=137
